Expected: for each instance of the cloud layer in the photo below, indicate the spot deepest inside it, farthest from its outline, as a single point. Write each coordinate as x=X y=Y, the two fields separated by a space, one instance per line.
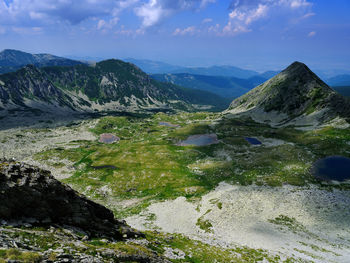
x=245 y=12
x=154 y=11
x=105 y=15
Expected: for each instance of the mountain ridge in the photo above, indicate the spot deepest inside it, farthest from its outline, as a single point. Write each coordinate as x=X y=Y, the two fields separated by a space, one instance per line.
x=111 y=85
x=12 y=60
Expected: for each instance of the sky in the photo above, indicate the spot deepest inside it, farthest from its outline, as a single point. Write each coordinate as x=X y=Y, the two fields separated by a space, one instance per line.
x=253 y=34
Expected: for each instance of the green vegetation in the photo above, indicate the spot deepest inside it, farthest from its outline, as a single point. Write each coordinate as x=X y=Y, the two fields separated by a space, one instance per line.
x=291 y=223
x=149 y=166
x=17 y=255
x=155 y=243
x=198 y=252
x=204 y=225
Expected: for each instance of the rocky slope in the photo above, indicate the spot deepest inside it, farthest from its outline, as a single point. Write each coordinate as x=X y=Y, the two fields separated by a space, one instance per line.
x=295 y=96
x=30 y=195
x=12 y=60
x=43 y=220
x=111 y=85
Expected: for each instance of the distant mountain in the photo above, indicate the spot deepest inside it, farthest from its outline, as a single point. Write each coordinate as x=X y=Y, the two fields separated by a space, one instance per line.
x=269 y=74
x=110 y=85
x=296 y=96
x=330 y=73
x=12 y=60
x=156 y=67
x=223 y=71
x=340 y=80
x=227 y=87
x=343 y=90
x=153 y=67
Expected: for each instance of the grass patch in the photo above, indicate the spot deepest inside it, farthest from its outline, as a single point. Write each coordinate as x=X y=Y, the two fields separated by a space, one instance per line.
x=151 y=167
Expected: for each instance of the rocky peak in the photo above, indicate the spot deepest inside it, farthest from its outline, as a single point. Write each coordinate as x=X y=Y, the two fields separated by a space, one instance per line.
x=30 y=195
x=294 y=92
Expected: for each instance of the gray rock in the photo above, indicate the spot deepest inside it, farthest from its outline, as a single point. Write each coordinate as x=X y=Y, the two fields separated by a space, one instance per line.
x=29 y=194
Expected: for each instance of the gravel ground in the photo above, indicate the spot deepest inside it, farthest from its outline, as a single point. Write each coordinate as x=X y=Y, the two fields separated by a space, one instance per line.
x=240 y=215
x=23 y=143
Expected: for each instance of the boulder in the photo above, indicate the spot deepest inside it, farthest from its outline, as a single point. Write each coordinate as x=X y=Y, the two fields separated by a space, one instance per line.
x=30 y=195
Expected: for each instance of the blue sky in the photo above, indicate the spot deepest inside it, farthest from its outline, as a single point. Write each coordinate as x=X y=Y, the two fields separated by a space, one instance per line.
x=254 y=34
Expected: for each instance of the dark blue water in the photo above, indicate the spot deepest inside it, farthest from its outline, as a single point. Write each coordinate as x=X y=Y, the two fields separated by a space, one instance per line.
x=200 y=140
x=335 y=168
x=252 y=141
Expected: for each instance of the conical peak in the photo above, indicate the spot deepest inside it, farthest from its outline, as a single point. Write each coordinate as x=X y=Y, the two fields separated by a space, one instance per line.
x=297 y=68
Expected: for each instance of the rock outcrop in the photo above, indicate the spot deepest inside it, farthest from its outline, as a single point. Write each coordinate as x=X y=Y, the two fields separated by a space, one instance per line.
x=30 y=195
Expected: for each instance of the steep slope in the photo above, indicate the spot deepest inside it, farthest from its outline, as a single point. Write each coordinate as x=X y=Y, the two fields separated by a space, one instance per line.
x=11 y=60
x=110 y=85
x=30 y=88
x=295 y=96
x=228 y=87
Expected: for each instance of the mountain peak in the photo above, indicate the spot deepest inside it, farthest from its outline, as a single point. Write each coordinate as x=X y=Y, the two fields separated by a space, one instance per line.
x=294 y=93
x=296 y=68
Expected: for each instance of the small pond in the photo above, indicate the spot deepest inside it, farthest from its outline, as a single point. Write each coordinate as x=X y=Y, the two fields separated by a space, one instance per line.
x=168 y=124
x=112 y=167
x=108 y=138
x=252 y=141
x=200 y=140
x=332 y=168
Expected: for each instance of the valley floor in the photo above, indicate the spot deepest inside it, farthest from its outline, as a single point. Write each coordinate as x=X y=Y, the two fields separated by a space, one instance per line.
x=233 y=197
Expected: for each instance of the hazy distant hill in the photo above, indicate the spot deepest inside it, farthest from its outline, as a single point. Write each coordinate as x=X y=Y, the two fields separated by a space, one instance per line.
x=12 y=60
x=340 y=80
x=110 y=85
x=154 y=67
x=269 y=74
x=295 y=96
x=227 y=87
x=224 y=71
x=343 y=90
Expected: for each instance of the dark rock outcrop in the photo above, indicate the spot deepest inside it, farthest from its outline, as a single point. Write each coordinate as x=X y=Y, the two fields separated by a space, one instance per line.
x=31 y=195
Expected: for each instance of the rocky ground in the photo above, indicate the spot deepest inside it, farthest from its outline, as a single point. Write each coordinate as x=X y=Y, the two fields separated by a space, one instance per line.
x=241 y=218
x=23 y=143
x=306 y=222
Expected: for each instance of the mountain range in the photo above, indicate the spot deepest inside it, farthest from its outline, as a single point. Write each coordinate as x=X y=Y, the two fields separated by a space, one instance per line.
x=331 y=77
x=111 y=85
x=227 y=87
x=12 y=60
x=157 y=67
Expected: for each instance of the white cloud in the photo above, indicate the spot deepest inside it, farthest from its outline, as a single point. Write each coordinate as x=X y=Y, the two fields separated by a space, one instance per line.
x=204 y=3
x=299 y=3
x=155 y=11
x=191 y=30
x=214 y=29
x=245 y=12
x=207 y=20
x=312 y=34
x=34 y=13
